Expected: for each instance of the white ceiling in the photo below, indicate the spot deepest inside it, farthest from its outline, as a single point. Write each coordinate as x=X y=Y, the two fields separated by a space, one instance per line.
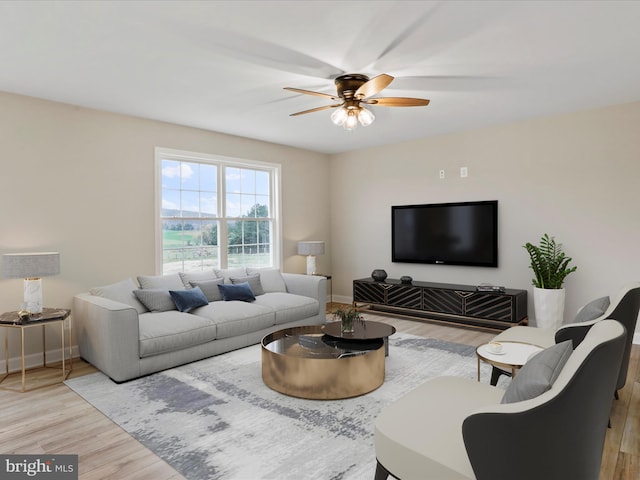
x=221 y=65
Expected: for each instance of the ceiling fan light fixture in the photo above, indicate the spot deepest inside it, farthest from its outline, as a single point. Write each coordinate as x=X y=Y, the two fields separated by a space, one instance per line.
x=354 y=90
x=339 y=116
x=352 y=120
x=365 y=117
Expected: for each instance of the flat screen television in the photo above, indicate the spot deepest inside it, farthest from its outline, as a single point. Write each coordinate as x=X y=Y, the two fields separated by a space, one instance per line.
x=464 y=233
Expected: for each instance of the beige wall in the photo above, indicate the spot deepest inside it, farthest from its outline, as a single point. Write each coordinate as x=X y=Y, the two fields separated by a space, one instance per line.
x=81 y=182
x=573 y=176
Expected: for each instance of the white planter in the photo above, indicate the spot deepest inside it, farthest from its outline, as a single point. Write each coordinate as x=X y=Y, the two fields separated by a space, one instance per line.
x=549 y=307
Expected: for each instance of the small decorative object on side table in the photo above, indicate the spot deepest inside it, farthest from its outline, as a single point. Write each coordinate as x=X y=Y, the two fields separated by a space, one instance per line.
x=18 y=320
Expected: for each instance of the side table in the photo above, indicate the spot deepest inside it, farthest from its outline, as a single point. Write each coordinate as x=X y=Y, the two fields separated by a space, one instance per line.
x=11 y=320
x=514 y=355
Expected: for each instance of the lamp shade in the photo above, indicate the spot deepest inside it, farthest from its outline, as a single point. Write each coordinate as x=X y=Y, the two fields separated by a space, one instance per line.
x=311 y=248
x=30 y=265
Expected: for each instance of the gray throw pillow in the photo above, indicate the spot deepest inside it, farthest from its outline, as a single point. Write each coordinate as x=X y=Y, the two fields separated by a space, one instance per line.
x=592 y=310
x=538 y=374
x=120 y=292
x=188 y=277
x=253 y=281
x=155 y=299
x=210 y=288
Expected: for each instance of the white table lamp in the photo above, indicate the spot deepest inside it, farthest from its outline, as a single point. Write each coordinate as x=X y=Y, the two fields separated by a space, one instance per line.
x=311 y=249
x=31 y=267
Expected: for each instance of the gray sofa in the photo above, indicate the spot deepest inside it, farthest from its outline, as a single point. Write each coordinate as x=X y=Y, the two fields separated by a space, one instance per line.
x=128 y=331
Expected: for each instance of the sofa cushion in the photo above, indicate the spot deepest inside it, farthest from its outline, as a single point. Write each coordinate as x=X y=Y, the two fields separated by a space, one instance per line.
x=187 y=300
x=288 y=307
x=239 y=291
x=539 y=373
x=121 y=292
x=155 y=299
x=252 y=280
x=162 y=332
x=189 y=277
x=271 y=279
x=230 y=272
x=592 y=310
x=166 y=282
x=210 y=288
x=237 y=318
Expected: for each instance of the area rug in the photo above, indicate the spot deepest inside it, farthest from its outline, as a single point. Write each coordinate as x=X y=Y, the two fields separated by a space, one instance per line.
x=215 y=419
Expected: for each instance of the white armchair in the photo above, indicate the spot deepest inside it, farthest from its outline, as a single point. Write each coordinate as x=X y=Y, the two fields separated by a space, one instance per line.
x=457 y=428
x=624 y=307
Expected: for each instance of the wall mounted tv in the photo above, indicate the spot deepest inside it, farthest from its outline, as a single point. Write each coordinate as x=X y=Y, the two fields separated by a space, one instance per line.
x=464 y=233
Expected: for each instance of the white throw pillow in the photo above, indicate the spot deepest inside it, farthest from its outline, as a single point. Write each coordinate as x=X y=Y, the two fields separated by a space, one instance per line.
x=270 y=278
x=167 y=282
x=189 y=277
x=231 y=272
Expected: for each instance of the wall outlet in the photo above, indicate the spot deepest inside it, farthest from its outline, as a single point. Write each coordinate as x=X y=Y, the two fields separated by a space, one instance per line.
x=441 y=174
x=464 y=172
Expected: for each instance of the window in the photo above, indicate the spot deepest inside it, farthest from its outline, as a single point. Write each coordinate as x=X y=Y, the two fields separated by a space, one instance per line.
x=215 y=212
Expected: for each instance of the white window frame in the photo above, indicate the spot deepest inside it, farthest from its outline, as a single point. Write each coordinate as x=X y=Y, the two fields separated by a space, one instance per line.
x=275 y=207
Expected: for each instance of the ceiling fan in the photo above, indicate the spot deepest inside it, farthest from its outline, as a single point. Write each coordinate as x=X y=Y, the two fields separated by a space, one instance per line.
x=354 y=90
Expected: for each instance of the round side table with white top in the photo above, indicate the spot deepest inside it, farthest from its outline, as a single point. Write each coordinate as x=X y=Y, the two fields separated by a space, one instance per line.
x=513 y=356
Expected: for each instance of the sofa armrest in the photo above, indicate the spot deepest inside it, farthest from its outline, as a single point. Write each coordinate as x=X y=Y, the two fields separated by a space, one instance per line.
x=313 y=286
x=108 y=335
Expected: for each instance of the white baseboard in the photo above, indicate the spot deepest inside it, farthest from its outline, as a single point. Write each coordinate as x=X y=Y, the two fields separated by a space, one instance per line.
x=342 y=299
x=34 y=360
x=636 y=338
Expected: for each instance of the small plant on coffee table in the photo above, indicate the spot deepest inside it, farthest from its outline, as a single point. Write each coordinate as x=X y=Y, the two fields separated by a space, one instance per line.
x=348 y=316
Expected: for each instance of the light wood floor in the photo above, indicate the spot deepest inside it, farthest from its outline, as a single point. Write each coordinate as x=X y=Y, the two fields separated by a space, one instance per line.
x=54 y=420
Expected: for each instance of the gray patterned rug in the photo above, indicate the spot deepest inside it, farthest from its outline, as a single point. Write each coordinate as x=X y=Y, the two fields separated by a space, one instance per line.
x=215 y=419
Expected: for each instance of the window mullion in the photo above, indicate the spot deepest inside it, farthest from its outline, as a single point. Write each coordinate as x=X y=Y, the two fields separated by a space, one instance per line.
x=223 y=250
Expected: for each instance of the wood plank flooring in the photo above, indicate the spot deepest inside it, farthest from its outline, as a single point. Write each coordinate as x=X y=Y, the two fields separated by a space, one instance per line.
x=54 y=420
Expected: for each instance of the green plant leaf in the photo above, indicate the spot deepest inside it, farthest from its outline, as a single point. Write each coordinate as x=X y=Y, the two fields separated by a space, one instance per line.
x=549 y=263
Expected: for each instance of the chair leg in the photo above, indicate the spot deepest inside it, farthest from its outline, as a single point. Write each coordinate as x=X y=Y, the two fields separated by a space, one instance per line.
x=495 y=375
x=381 y=472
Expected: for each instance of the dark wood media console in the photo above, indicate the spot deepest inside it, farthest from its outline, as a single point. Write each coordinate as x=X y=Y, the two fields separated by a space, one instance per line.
x=444 y=302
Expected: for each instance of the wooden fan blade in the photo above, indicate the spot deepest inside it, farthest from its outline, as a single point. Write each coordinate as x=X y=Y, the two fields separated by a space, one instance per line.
x=309 y=92
x=373 y=86
x=397 y=102
x=316 y=109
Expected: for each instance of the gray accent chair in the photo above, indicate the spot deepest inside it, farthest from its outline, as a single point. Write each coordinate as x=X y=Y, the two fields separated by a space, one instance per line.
x=456 y=428
x=624 y=308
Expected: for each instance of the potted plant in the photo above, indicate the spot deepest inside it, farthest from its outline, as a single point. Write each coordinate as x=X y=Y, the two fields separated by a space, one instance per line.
x=347 y=316
x=550 y=266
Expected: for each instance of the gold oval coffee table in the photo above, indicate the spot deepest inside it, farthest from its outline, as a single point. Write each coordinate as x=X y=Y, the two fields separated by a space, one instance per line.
x=303 y=362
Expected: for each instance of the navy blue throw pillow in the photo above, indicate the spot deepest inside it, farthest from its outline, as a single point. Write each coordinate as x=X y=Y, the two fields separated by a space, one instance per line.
x=236 y=291
x=187 y=300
